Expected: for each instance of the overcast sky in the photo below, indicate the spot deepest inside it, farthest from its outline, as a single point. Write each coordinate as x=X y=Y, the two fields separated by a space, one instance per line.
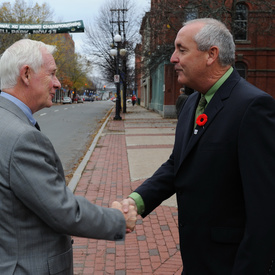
x=86 y=10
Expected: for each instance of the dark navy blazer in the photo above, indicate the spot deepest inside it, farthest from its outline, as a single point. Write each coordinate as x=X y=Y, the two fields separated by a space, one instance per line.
x=223 y=174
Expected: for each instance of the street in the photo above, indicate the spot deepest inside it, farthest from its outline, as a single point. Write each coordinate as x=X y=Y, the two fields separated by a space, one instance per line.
x=70 y=127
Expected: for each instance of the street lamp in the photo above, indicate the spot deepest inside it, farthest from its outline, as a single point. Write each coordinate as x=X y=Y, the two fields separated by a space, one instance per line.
x=117 y=53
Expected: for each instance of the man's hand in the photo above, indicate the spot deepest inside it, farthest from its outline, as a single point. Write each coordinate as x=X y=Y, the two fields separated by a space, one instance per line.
x=126 y=203
x=130 y=216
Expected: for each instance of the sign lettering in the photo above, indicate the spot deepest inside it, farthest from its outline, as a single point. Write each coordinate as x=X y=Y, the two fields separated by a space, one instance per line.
x=50 y=28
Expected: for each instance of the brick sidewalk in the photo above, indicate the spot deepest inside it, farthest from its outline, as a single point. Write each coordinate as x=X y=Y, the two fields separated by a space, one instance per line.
x=153 y=248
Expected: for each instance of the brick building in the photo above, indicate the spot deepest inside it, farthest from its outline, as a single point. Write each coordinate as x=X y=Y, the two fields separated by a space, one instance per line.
x=252 y=26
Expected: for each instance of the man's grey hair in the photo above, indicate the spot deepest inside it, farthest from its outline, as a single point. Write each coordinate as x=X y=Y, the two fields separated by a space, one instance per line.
x=23 y=52
x=215 y=33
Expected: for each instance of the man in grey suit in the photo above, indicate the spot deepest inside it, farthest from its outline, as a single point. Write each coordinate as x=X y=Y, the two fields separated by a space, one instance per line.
x=38 y=213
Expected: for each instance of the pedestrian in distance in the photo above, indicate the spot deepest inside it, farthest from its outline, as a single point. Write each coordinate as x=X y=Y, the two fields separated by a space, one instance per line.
x=222 y=164
x=134 y=99
x=184 y=93
x=38 y=212
x=180 y=101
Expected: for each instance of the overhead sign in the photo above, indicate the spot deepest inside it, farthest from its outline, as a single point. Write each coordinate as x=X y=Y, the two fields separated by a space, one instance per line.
x=51 y=28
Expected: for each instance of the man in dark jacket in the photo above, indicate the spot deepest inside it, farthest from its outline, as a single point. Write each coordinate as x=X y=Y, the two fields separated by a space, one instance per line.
x=222 y=164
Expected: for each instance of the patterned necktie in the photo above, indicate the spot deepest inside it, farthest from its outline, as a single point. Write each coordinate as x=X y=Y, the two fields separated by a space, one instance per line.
x=37 y=126
x=200 y=108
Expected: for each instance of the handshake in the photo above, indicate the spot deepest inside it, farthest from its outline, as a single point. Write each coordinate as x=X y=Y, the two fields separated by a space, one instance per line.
x=129 y=209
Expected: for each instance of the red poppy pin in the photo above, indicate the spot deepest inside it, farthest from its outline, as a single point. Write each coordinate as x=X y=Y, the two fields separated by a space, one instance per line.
x=201 y=119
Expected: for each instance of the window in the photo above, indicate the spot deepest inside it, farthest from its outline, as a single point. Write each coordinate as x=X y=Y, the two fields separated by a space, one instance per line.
x=241 y=68
x=191 y=12
x=241 y=22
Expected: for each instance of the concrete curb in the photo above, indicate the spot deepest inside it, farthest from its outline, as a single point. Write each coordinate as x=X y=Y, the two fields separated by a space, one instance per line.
x=78 y=172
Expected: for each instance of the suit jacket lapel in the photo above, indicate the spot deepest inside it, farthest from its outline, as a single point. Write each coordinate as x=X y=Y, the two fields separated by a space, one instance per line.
x=212 y=109
x=11 y=107
x=185 y=128
x=185 y=123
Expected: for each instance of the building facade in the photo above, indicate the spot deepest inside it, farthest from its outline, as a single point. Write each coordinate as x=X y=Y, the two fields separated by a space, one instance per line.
x=252 y=26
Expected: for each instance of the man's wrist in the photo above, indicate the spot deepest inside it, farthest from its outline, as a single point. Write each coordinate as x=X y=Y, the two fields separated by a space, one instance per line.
x=139 y=202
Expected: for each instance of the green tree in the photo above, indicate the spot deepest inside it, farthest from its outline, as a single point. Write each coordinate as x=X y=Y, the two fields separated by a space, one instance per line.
x=71 y=69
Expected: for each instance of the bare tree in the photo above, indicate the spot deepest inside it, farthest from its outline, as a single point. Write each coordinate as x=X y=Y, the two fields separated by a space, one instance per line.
x=115 y=17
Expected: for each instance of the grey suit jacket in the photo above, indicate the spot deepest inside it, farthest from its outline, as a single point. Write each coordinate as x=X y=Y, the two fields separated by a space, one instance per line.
x=38 y=213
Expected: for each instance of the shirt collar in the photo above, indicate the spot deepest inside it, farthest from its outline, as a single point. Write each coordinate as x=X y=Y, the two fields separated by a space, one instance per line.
x=27 y=111
x=210 y=93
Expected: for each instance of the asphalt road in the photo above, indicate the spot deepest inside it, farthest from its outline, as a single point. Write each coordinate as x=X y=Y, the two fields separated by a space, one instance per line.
x=71 y=127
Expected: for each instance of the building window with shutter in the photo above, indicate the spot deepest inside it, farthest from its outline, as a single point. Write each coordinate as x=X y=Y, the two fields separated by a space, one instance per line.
x=241 y=21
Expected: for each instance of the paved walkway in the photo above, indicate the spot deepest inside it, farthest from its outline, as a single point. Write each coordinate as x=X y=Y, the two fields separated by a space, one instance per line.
x=126 y=153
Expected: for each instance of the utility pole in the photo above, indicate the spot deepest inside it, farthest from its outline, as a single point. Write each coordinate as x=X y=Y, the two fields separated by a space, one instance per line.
x=120 y=22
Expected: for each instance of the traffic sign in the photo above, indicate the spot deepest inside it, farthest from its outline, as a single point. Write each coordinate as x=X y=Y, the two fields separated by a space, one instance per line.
x=116 y=78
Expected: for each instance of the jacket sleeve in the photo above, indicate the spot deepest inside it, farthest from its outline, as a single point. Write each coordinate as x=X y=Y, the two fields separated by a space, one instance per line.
x=159 y=187
x=256 y=148
x=37 y=180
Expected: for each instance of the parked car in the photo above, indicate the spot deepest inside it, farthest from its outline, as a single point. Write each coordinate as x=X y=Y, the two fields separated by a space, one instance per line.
x=67 y=100
x=88 y=98
x=80 y=99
